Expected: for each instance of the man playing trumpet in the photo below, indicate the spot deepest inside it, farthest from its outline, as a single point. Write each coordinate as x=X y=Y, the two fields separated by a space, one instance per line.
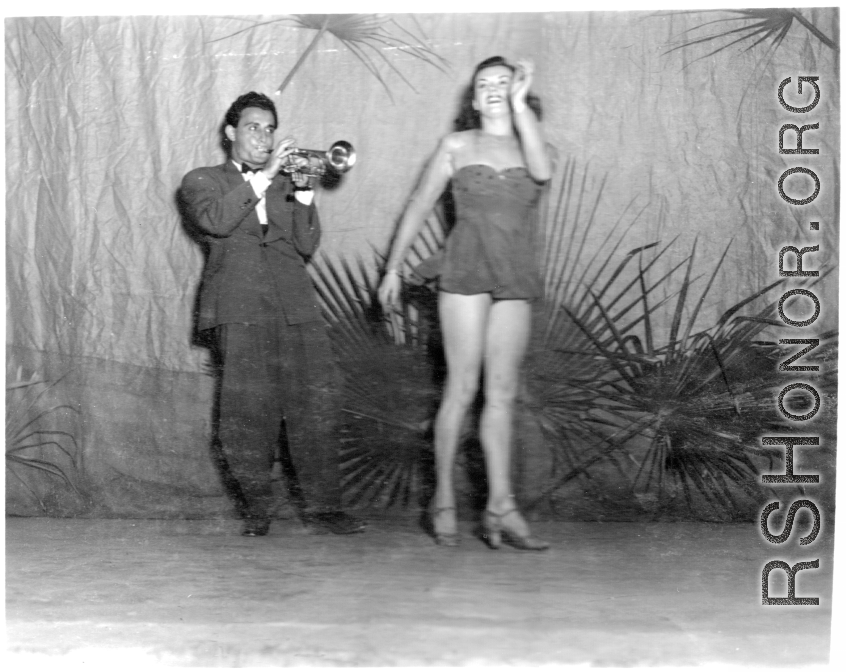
x=275 y=358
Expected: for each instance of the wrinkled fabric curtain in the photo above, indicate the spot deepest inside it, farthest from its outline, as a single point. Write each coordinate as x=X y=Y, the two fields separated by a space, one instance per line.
x=104 y=115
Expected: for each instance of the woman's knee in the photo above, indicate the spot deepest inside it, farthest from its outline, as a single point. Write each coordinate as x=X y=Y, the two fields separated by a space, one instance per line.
x=501 y=392
x=460 y=392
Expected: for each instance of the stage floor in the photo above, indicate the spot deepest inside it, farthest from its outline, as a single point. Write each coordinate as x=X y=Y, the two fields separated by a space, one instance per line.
x=153 y=592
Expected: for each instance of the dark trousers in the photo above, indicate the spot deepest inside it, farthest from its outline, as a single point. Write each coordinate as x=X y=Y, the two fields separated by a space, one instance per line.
x=276 y=376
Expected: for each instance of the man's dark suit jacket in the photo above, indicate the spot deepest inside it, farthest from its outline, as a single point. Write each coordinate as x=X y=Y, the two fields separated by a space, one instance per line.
x=250 y=278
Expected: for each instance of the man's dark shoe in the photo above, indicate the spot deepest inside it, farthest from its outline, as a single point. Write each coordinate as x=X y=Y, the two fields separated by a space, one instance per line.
x=336 y=522
x=256 y=527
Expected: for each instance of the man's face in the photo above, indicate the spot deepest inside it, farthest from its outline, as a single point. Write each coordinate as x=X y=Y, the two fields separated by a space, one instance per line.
x=253 y=138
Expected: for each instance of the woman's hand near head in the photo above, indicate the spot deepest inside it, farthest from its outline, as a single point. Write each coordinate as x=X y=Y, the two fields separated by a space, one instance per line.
x=521 y=83
x=538 y=161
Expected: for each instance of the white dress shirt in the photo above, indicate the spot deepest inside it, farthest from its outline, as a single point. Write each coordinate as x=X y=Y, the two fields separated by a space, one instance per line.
x=260 y=184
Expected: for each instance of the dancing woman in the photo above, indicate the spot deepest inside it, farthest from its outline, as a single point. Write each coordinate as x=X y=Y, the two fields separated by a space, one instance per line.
x=487 y=279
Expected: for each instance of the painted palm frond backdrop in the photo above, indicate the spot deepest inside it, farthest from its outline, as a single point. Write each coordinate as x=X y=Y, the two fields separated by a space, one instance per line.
x=367 y=36
x=690 y=412
x=34 y=441
x=750 y=28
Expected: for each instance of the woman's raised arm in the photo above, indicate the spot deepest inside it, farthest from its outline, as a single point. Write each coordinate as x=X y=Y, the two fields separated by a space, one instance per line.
x=536 y=156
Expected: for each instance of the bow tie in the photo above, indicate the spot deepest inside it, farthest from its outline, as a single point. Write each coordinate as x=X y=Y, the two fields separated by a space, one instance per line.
x=247 y=169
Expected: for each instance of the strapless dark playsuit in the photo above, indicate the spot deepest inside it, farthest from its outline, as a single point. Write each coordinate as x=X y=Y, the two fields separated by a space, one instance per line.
x=491 y=246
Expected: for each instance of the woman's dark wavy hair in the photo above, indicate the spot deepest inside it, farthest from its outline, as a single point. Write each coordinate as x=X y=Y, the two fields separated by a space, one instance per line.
x=468 y=117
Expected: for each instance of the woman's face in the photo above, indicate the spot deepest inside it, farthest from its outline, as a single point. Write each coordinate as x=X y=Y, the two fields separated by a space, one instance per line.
x=491 y=90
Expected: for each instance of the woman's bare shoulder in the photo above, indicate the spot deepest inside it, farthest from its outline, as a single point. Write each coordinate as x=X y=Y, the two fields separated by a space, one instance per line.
x=456 y=141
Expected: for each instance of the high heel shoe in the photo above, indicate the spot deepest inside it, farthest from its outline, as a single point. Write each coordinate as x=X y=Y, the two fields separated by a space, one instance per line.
x=495 y=529
x=444 y=538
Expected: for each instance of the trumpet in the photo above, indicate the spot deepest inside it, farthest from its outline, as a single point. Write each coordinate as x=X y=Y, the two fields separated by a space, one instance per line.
x=339 y=158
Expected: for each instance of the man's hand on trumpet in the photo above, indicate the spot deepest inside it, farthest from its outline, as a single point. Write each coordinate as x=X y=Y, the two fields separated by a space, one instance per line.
x=279 y=157
x=285 y=156
x=311 y=164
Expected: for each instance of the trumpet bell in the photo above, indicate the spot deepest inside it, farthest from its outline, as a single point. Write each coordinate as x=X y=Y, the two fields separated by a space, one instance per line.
x=341 y=156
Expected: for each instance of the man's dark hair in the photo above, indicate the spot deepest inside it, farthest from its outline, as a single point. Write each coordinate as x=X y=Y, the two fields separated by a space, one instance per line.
x=252 y=99
x=468 y=117
x=233 y=114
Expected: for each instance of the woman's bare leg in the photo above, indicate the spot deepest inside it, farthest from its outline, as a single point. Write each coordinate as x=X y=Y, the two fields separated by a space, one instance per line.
x=463 y=327
x=507 y=340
